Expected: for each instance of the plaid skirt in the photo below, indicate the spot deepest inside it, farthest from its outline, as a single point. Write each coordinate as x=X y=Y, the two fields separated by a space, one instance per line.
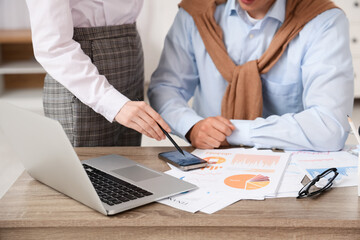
x=117 y=53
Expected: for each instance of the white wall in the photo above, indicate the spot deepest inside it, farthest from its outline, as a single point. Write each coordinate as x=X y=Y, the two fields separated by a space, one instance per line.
x=153 y=23
x=14 y=14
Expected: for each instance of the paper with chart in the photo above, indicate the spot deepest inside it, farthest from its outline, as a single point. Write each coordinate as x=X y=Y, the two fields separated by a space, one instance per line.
x=190 y=201
x=232 y=175
x=314 y=163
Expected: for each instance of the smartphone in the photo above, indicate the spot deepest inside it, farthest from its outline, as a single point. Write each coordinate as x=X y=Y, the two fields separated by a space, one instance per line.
x=185 y=163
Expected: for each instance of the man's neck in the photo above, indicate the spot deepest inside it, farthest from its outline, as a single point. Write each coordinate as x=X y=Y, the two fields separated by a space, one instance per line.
x=260 y=13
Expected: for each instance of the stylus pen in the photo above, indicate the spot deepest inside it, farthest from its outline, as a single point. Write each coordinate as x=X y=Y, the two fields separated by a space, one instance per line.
x=172 y=140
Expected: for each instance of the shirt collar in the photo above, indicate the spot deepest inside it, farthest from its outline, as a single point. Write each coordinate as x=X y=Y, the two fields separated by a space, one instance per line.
x=277 y=11
x=232 y=7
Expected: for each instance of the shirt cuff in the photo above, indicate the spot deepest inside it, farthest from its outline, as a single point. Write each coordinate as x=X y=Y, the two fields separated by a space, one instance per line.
x=111 y=103
x=241 y=134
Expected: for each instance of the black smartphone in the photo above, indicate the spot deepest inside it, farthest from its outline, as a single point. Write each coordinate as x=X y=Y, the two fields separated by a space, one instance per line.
x=185 y=163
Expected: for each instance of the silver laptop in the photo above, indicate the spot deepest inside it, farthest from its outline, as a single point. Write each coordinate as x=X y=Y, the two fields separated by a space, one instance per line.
x=108 y=184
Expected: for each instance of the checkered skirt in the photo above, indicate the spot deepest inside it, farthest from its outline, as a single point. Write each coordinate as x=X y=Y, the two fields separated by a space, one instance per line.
x=117 y=53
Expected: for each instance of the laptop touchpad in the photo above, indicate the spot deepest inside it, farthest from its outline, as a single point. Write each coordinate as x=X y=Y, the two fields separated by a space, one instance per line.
x=136 y=173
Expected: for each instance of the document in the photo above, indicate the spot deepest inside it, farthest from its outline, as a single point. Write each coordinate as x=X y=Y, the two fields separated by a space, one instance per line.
x=314 y=163
x=190 y=201
x=237 y=173
x=232 y=175
x=291 y=182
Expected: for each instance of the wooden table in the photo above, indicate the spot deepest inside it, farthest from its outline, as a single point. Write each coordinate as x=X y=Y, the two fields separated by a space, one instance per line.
x=31 y=210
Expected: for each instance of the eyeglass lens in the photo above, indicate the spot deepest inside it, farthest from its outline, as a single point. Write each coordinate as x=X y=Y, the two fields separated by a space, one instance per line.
x=319 y=184
x=325 y=179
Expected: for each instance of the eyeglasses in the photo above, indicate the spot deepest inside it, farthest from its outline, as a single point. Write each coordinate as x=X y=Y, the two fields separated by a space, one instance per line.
x=325 y=179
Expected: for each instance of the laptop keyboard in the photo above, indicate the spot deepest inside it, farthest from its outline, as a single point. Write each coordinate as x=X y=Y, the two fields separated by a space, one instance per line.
x=112 y=190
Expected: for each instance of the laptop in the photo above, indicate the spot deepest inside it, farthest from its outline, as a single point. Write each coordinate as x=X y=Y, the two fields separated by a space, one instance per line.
x=110 y=184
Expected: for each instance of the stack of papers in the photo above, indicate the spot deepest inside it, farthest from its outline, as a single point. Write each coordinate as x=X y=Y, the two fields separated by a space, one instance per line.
x=312 y=163
x=238 y=173
x=232 y=175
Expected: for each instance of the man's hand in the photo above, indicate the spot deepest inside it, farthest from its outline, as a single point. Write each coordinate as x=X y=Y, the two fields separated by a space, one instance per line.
x=211 y=132
x=142 y=118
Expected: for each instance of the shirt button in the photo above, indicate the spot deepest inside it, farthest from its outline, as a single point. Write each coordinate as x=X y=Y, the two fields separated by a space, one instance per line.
x=251 y=36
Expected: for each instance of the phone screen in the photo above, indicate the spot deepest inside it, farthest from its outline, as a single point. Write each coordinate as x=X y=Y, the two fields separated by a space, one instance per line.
x=178 y=158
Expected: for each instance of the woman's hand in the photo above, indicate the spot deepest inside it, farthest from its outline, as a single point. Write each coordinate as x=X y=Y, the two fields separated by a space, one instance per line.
x=139 y=116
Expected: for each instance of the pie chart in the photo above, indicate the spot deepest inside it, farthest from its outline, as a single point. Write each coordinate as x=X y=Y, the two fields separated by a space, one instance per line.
x=247 y=181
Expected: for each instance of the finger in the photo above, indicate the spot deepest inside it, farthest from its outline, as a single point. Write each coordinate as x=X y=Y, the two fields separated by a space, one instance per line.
x=154 y=115
x=226 y=121
x=199 y=139
x=204 y=132
x=151 y=123
x=212 y=138
x=222 y=126
x=138 y=128
x=129 y=116
x=202 y=145
x=216 y=135
x=212 y=142
x=206 y=145
x=146 y=128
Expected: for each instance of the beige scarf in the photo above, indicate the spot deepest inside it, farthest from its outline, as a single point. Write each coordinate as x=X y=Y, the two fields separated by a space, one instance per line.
x=243 y=96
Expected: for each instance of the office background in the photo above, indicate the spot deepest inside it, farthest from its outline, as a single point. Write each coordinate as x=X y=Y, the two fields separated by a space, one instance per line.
x=154 y=21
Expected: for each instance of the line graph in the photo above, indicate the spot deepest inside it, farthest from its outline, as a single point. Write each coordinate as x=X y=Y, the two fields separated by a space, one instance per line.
x=343 y=171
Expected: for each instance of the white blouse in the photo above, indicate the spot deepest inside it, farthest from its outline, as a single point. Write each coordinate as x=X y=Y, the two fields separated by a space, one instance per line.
x=52 y=23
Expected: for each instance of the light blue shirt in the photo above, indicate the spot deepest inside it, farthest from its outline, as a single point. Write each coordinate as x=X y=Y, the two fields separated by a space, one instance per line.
x=307 y=94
